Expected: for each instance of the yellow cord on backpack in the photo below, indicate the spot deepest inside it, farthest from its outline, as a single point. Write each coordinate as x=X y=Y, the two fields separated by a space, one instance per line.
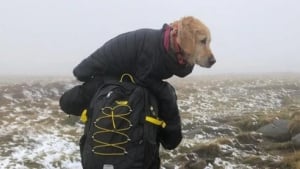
x=118 y=112
x=83 y=117
x=129 y=75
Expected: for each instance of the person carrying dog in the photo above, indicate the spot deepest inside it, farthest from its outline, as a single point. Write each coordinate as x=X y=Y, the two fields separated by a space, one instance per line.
x=150 y=56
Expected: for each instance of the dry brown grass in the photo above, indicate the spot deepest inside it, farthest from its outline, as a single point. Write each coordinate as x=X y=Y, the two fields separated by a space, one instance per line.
x=294 y=127
x=292 y=160
x=256 y=120
x=208 y=150
x=248 y=138
x=273 y=146
x=257 y=161
x=248 y=123
x=223 y=140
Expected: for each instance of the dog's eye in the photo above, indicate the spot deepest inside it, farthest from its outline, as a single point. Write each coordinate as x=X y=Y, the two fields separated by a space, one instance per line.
x=203 y=41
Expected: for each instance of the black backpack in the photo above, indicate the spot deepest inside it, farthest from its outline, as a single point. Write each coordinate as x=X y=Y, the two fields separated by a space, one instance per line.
x=121 y=129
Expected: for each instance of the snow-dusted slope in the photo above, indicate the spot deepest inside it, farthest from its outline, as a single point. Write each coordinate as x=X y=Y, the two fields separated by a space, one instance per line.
x=35 y=133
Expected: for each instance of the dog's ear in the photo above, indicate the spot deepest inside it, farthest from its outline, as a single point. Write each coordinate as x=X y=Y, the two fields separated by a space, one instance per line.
x=186 y=35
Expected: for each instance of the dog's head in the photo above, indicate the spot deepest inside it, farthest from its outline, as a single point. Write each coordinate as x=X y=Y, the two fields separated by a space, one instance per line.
x=194 y=39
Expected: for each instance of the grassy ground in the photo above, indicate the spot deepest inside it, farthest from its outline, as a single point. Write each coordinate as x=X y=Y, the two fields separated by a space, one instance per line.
x=290 y=154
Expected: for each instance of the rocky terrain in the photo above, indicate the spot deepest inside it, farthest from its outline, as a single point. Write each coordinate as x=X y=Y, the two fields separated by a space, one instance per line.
x=229 y=122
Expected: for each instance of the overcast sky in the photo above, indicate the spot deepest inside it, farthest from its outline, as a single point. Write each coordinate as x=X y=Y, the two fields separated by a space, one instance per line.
x=51 y=37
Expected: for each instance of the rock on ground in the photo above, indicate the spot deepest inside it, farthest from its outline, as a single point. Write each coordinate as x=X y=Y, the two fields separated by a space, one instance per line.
x=296 y=140
x=277 y=130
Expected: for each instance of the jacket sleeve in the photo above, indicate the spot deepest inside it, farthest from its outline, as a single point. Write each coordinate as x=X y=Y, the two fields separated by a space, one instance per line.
x=170 y=136
x=73 y=101
x=114 y=58
x=76 y=99
x=89 y=67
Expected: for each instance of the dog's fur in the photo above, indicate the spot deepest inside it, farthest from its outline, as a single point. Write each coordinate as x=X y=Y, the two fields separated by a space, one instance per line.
x=194 y=39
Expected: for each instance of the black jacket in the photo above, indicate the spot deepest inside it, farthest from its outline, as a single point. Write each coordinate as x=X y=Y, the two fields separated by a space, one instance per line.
x=142 y=54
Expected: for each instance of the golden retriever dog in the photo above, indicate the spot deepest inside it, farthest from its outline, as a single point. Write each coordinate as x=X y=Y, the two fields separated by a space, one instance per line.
x=151 y=56
x=194 y=38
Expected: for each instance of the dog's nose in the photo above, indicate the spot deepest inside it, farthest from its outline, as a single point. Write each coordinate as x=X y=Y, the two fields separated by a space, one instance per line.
x=212 y=60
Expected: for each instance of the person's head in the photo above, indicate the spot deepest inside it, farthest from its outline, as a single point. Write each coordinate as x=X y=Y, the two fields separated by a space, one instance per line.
x=194 y=38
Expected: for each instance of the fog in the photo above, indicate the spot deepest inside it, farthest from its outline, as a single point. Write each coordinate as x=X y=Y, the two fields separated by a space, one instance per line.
x=51 y=37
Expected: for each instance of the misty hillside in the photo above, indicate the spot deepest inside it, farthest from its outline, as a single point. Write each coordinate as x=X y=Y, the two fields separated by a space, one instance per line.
x=35 y=133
